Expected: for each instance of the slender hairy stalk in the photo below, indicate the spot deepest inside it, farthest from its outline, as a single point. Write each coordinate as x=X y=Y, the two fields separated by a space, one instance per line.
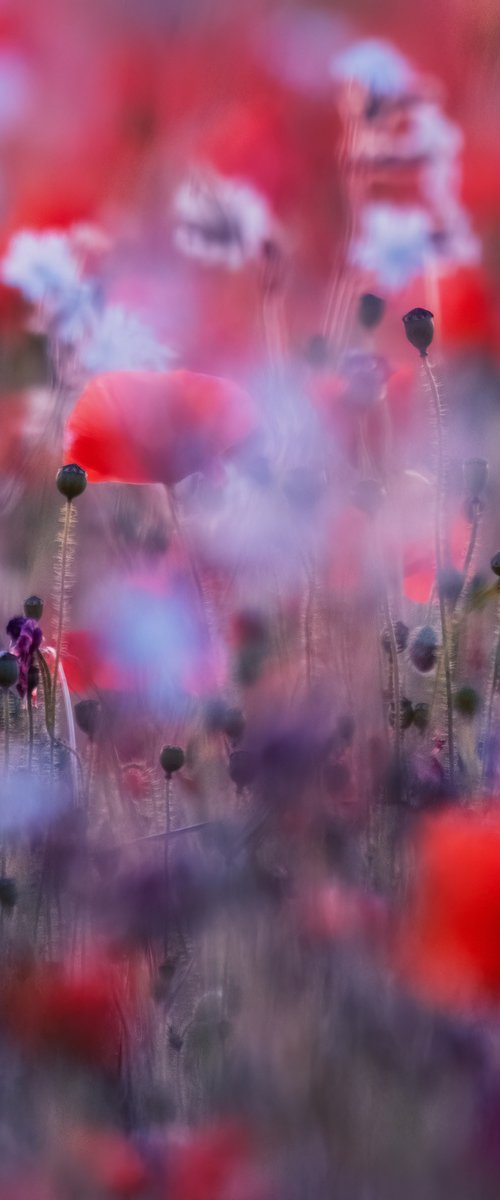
x=434 y=390
x=65 y=549
x=6 y=718
x=30 y=729
x=166 y=850
x=492 y=686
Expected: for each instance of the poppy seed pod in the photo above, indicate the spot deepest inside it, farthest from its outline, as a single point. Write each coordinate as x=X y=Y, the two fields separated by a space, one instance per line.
x=495 y=564
x=423 y=649
x=401 y=635
x=370 y=310
x=9 y=670
x=172 y=759
x=87 y=717
x=33 y=608
x=475 y=475
x=71 y=481
x=419 y=328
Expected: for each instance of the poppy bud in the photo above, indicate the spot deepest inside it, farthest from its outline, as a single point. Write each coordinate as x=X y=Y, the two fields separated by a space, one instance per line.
x=475 y=473
x=405 y=713
x=419 y=328
x=87 y=717
x=172 y=759
x=33 y=608
x=371 y=310
x=242 y=768
x=421 y=715
x=423 y=649
x=495 y=564
x=8 y=892
x=9 y=670
x=368 y=496
x=71 y=481
x=467 y=701
x=401 y=635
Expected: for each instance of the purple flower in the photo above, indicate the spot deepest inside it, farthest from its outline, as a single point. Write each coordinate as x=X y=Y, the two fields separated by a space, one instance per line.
x=26 y=638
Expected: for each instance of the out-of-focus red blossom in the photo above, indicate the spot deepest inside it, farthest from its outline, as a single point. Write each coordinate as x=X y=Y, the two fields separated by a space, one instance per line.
x=104 y=1160
x=334 y=912
x=448 y=946
x=89 y=665
x=467 y=313
x=390 y=422
x=147 y=427
x=49 y=1011
x=206 y=1166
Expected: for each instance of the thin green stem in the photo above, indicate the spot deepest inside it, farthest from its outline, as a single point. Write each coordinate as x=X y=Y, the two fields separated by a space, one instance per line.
x=6 y=717
x=438 y=528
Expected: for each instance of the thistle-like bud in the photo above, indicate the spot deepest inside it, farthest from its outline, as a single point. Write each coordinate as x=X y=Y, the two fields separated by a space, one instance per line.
x=475 y=473
x=71 y=481
x=87 y=717
x=370 y=310
x=401 y=635
x=419 y=328
x=9 y=669
x=33 y=608
x=423 y=649
x=172 y=759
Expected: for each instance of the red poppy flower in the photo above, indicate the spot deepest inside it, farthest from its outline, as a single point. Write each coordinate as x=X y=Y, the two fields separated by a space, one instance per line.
x=147 y=427
x=449 y=943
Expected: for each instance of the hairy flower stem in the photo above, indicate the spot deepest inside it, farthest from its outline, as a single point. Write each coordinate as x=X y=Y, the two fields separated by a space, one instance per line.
x=65 y=545
x=29 y=702
x=166 y=852
x=6 y=718
x=434 y=390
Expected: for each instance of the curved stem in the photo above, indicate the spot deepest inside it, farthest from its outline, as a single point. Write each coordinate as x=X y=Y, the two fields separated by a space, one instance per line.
x=60 y=615
x=6 y=717
x=29 y=701
x=433 y=387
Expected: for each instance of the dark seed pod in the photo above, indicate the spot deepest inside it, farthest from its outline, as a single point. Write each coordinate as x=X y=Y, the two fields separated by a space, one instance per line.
x=242 y=768
x=495 y=564
x=401 y=635
x=475 y=473
x=419 y=328
x=450 y=584
x=233 y=724
x=33 y=677
x=8 y=892
x=421 y=717
x=467 y=701
x=33 y=608
x=371 y=310
x=88 y=716
x=368 y=496
x=71 y=481
x=423 y=649
x=9 y=670
x=405 y=713
x=172 y=759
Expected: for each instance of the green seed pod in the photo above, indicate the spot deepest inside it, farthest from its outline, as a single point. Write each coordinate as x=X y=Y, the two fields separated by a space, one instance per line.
x=172 y=759
x=71 y=481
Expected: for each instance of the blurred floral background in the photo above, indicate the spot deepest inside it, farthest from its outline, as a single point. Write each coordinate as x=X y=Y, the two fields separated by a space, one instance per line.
x=250 y=573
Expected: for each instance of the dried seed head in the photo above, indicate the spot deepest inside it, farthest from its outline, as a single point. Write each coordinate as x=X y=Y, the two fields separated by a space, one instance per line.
x=419 y=328
x=9 y=669
x=172 y=759
x=371 y=310
x=71 y=481
x=33 y=608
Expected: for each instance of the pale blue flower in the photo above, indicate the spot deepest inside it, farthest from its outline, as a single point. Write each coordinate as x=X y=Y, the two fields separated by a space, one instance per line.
x=121 y=341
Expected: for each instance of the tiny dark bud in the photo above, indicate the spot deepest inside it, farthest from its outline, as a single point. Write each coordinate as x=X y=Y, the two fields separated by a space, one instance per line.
x=87 y=717
x=421 y=717
x=495 y=564
x=401 y=635
x=9 y=670
x=368 y=495
x=371 y=310
x=172 y=759
x=233 y=724
x=405 y=713
x=467 y=701
x=71 y=481
x=423 y=649
x=33 y=608
x=475 y=473
x=242 y=768
x=8 y=892
x=419 y=328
